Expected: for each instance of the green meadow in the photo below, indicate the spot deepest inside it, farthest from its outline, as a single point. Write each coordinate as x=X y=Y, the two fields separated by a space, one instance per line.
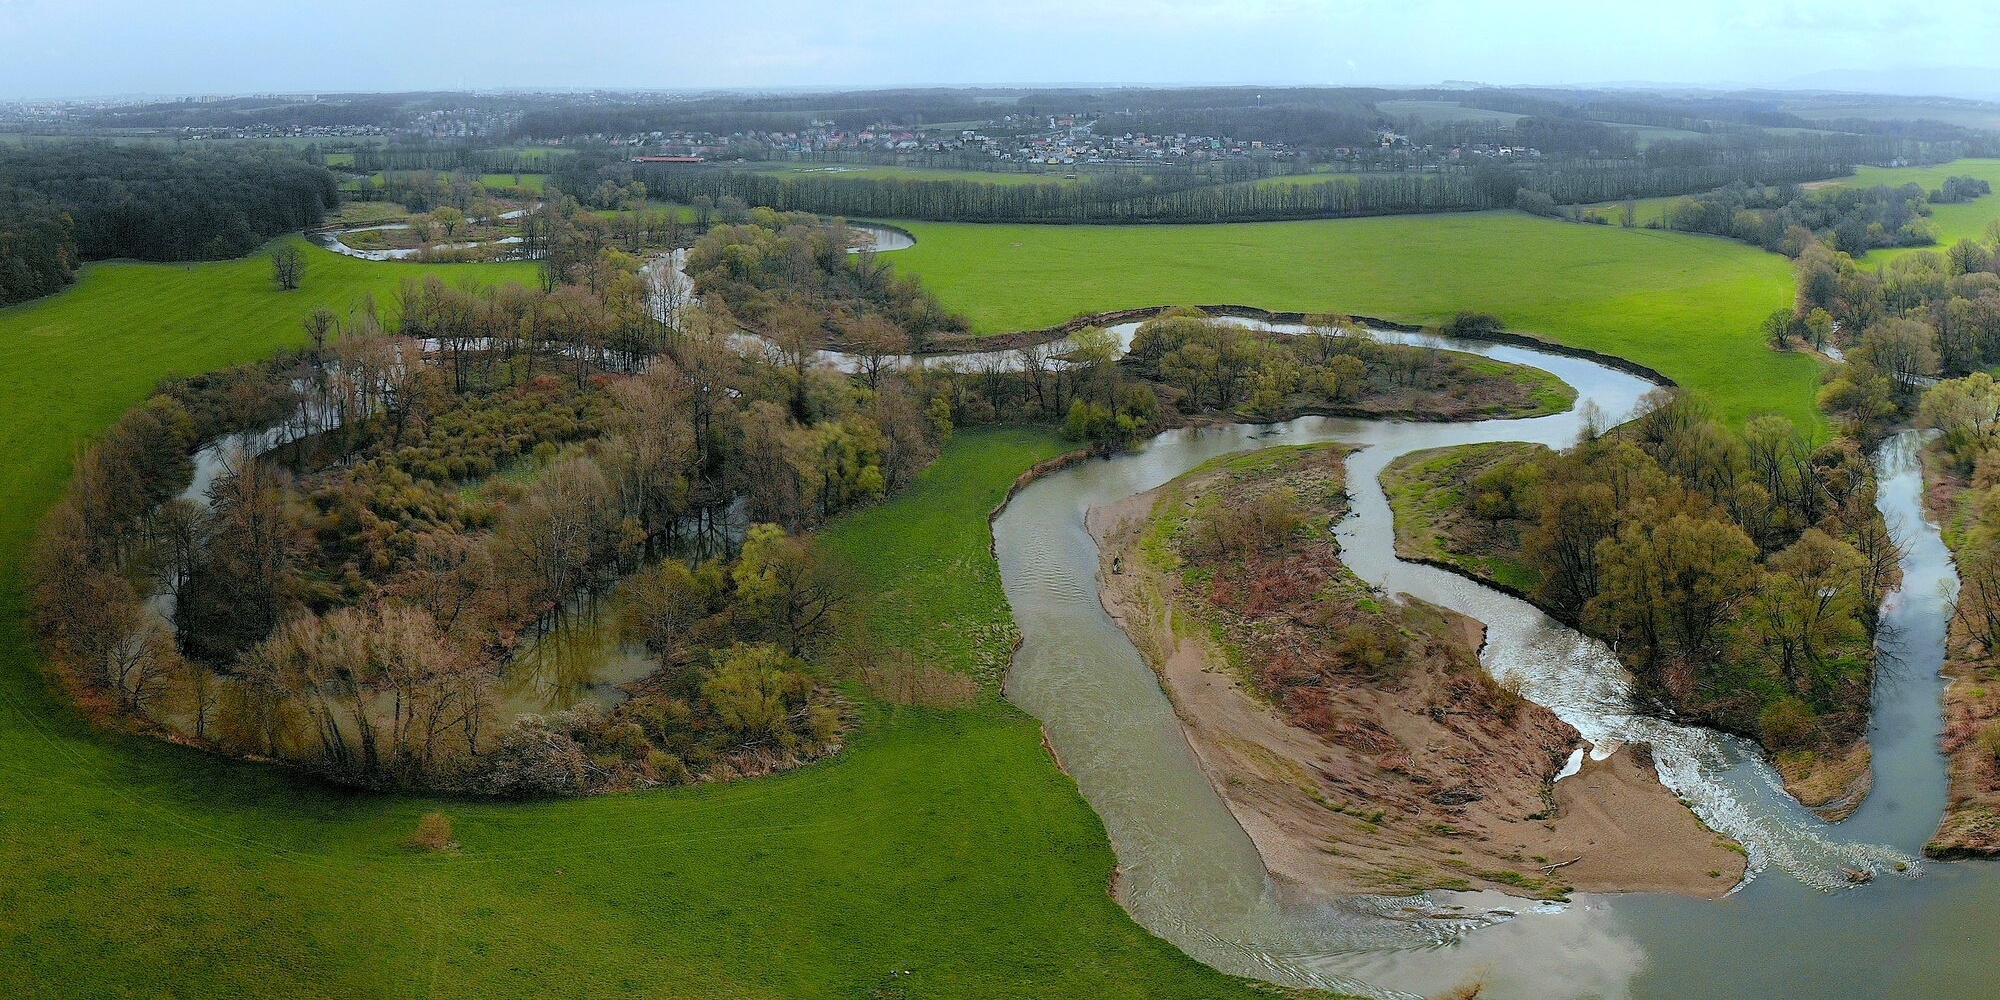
x=941 y=855
x=1686 y=305
x=532 y=182
x=1963 y=221
x=76 y=359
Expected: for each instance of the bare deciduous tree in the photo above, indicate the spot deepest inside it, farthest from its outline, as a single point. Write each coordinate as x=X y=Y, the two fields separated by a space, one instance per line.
x=288 y=265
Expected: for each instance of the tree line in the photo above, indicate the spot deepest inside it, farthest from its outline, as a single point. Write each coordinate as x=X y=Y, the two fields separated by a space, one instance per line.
x=62 y=203
x=1851 y=220
x=1121 y=198
x=375 y=157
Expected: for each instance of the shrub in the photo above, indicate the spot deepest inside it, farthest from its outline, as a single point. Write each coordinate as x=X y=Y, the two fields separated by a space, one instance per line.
x=433 y=834
x=1789 y=724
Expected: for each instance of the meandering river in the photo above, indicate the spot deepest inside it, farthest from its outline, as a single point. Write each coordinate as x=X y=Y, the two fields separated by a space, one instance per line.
x=1189 y=873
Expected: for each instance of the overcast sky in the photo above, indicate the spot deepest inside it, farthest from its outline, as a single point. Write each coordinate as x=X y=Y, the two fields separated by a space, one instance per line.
x=57 y=48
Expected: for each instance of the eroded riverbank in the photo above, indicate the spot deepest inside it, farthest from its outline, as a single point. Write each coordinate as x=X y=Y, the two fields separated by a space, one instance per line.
x=1190 y=872
x=1424 y=777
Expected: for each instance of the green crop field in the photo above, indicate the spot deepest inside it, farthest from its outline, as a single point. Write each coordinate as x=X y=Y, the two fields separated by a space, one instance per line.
x=1686 y=305
x=942 y=854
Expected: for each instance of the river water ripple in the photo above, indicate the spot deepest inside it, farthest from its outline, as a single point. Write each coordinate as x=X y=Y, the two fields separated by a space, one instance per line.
x=1189 y=873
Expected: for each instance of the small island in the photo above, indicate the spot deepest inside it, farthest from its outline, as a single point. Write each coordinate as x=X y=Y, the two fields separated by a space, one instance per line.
x=1739 y=575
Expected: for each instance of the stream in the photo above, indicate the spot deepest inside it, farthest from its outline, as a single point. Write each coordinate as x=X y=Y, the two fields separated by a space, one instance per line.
x=1190 y=874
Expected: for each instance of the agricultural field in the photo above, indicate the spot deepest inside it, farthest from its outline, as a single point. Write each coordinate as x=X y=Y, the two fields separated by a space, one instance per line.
x=1969 y=114
x=1686 y=305
x=1646 y=135
x=1438 y=112
x=1964 y=221
x=368 y=213
x=943 y=854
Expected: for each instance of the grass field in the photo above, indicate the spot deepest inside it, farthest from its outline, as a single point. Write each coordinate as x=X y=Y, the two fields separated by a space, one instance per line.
x=1646 y=135
x=942 y=855
x=1644 y=210
x=1686 y=305
x=1438 y=112
x=1963 y=221
x=361 y=213
x=932 y=584
x=532 y=182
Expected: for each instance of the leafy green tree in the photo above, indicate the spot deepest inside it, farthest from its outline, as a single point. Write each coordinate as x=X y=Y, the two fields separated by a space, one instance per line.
x=1670 y=589
x=753 y=688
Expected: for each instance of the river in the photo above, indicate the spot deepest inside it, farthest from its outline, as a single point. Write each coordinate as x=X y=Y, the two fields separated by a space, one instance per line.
x=1189 y=873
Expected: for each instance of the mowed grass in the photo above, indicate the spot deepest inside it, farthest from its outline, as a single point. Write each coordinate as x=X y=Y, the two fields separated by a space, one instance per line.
x=942 y=855
x=1686 y=305
x=1644 y=210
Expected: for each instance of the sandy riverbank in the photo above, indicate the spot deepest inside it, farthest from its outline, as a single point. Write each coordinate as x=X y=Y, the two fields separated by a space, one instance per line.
x=1434 y=796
